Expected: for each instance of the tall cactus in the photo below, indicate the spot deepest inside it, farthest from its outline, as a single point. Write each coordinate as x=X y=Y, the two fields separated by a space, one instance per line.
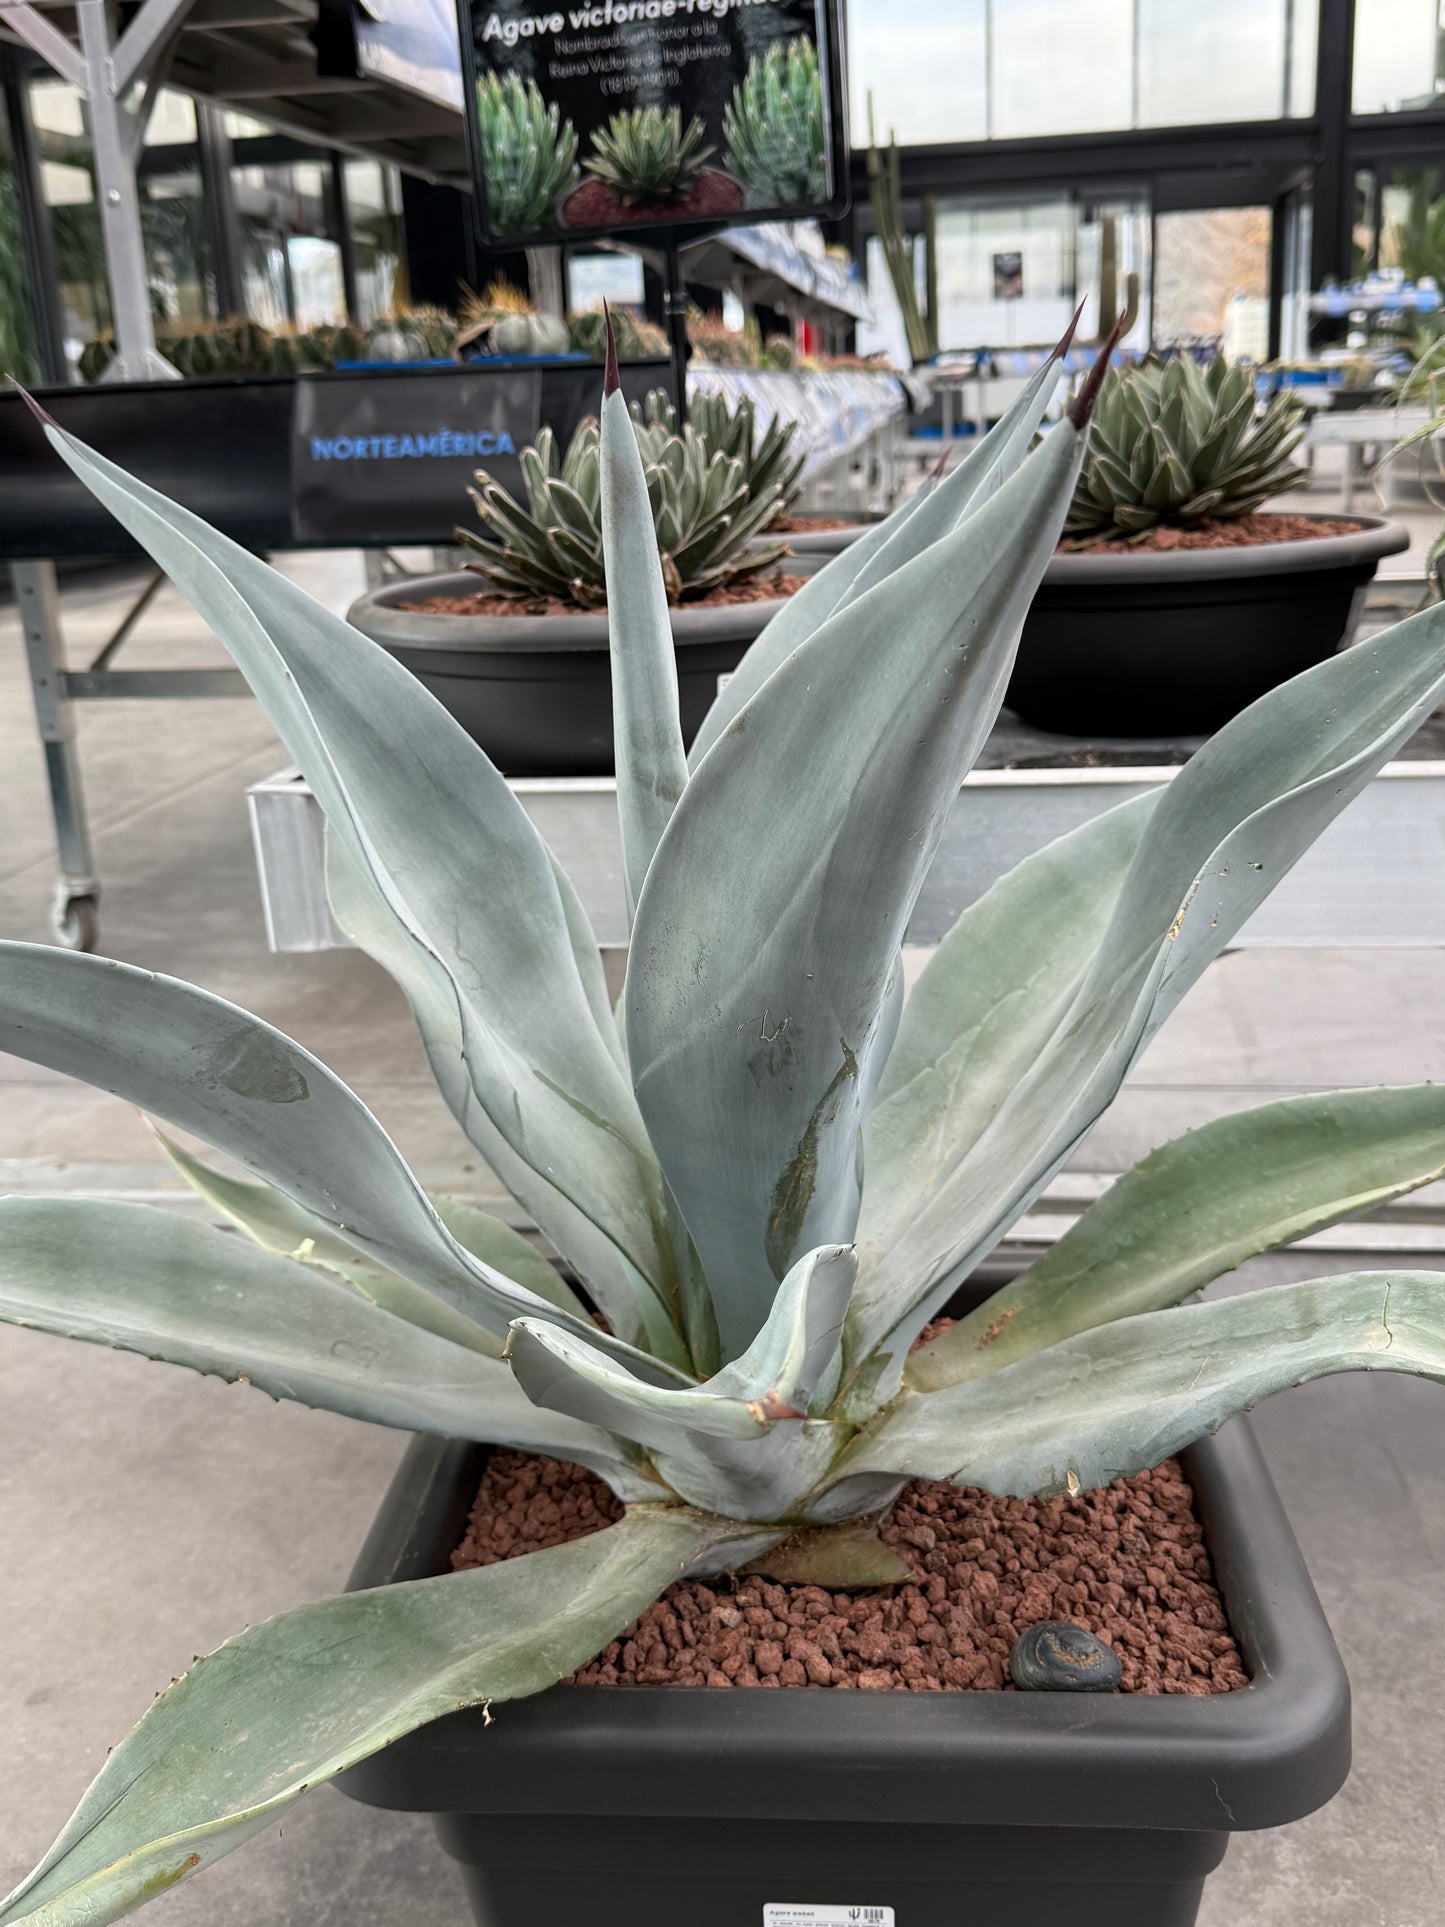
x=885 y=195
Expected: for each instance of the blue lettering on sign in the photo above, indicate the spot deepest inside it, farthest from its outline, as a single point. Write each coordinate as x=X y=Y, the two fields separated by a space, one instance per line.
x=446 y=444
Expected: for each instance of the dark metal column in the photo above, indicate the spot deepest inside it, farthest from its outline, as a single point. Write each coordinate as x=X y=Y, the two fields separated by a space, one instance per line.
x=1332 y=231
x=340 y=211
x=42 y=280
x=223 y=232
x=1278 y=217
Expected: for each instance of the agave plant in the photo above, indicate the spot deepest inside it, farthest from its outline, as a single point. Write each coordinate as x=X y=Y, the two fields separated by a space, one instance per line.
x=767 y=1175
x=770 y=468
x=645 y=154
x=528 y=153
x=708 y=504
x=1174 y=445
x=774 y=129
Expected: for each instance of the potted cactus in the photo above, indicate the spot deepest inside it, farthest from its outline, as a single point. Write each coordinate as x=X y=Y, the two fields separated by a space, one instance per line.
x=502 y=321
x=516 y=646
x=637 y=339
x=646 y=166
x=243 y=347
x=765 y=1197
x=528 y=153
x=1176 y=599
x=774 y=128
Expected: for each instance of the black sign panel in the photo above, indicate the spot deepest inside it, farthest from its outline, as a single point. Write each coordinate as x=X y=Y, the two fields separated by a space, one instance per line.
x=389 y=460
x=589 y=117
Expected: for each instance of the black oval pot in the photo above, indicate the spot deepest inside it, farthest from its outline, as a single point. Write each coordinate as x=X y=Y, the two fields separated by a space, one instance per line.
x=536 y=691
x=645 y=1805
x=1174 y=644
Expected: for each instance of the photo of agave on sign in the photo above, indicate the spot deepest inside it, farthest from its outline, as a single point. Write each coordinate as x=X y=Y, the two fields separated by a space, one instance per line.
x=675 y=112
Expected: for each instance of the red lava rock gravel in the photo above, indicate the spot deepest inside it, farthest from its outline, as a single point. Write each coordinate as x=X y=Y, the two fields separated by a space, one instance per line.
x=763 y=588
x=1232 y=532
x=1127 y=1562
x=593 y=204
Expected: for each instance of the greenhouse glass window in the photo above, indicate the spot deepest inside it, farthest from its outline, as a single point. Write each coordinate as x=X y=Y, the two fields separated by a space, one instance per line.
x=1398 y=63
x=967 y=70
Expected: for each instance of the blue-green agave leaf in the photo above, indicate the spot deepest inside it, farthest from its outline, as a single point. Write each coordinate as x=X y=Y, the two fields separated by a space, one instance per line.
x=1226 y=829
x=450 y=854
x=566 y=1374
x=1195 y=1209
x=646 y=729
x=775 y=1380
x=882 y=550
x=1118 y=1399
x=275 y=1222
x=793 y=1360
x=211 y=1068
x=291 y=1703
x=746 y=1460
x=146 y=1280
x=769 y=926
x=635 y=1310
x=987 y=1003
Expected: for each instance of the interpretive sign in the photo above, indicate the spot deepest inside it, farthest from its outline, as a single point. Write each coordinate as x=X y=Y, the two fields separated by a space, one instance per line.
x=612 y=115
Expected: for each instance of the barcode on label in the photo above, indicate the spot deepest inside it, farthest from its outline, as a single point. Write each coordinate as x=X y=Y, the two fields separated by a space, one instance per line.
x=792 y=1913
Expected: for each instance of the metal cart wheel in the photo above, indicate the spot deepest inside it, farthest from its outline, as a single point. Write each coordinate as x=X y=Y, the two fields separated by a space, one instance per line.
x=76 y=922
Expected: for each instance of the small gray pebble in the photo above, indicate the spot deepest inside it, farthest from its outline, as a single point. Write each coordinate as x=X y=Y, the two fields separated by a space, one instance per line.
x=1055 y=1657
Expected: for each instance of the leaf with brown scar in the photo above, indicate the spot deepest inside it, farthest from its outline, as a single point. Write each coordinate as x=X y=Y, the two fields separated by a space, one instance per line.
x=843 y=1558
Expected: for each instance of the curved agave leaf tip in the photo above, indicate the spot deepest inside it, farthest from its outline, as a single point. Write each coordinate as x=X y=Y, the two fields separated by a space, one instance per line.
x=611 y=380
x=1083 y=406
x=42 y=415
x=1066 y=339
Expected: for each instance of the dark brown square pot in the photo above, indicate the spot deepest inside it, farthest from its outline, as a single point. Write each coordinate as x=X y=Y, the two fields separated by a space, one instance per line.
x=652 y=1806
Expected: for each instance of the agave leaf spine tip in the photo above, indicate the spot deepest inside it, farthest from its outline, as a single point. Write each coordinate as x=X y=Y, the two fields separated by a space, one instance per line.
x=1066 y=340
x=42 y=415
x=1083 y=406
x=611 y=379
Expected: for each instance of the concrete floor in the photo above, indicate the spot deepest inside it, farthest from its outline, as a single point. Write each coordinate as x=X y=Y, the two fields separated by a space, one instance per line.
x=146 y=1514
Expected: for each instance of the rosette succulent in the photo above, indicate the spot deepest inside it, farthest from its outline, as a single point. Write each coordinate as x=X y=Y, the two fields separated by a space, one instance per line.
x=637 y=338
x=528 y=153
x=771 y=469
x=646 y=154
x=710 y=500
x=774 y=127
x=766 y=1173
x=1175 y=444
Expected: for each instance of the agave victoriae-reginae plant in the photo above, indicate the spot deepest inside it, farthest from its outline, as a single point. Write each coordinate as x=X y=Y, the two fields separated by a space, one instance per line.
x=769 y=1188
x=1174 y=444
x=774 y=129
x=529 y=153
x=772 y=468
x=710 y=502
x=646 y=154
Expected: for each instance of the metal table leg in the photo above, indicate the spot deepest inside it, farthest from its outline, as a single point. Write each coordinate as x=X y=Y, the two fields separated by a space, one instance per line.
x=77 y=898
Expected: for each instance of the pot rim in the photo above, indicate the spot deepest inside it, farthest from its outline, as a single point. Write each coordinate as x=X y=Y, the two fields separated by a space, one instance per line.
x=1260 y=1757
x=377 y=615
x=1376 y=537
